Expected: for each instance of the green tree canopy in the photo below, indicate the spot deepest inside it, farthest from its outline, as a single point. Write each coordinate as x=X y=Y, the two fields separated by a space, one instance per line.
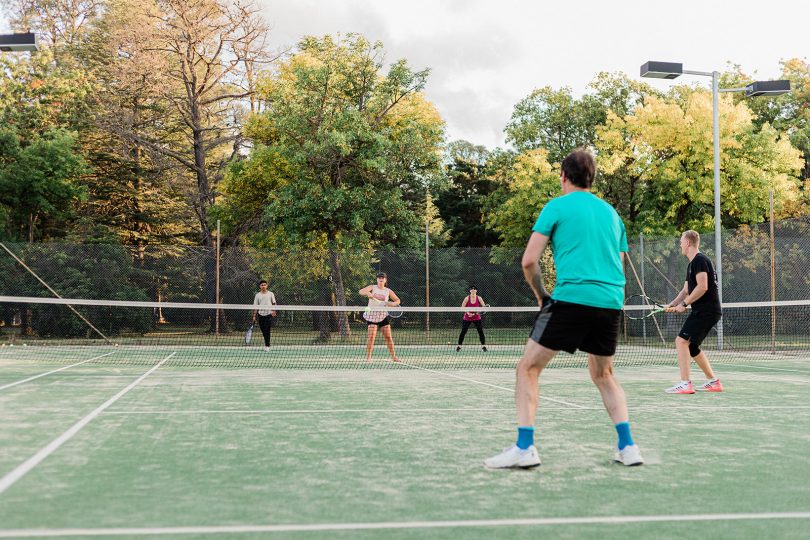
x=665 y=149
x=39 y=184
x=462 y=200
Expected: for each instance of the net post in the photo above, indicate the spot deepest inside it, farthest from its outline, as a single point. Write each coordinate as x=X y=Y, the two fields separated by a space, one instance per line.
x=643 y=283
x=427 y=276
x=216 y=293
x=773 y=276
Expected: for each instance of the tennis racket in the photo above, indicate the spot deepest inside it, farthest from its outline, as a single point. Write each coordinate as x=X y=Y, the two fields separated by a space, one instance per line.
x=642 y=300
x=249 y=334
x=377 y=314
x=484 y=309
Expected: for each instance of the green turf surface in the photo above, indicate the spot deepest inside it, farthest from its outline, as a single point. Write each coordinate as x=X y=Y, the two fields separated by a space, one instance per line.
x=214 y=447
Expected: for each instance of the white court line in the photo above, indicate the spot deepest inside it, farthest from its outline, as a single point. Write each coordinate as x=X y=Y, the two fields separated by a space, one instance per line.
x=472 y=523
x=317 y=411
x=667 y=408
x=11 y=478
x=767 y=367
x=489 y=384
x=54 y=371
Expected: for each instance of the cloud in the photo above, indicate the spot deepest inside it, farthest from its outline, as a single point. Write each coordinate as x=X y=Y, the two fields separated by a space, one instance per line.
x=485 y=56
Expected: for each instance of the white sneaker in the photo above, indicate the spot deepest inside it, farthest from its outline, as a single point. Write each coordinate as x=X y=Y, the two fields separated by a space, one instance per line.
x=266 y=349
x=683 y=387
x=629 y=455
x=514 y=457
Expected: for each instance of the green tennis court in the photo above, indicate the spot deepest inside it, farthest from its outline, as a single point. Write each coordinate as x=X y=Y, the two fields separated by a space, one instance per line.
x=162 y=447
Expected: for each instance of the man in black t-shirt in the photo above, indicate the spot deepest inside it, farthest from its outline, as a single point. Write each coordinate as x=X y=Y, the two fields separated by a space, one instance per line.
x=700 y=292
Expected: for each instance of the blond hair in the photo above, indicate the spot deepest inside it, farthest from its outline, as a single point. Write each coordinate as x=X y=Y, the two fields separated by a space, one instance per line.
x=692 y=237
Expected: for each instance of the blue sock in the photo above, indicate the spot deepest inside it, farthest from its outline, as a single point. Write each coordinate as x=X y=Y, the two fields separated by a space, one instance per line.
x=525 y=437
x=625 y=439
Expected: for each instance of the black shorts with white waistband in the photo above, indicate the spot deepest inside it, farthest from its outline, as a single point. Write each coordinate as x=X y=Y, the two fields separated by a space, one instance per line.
x=564 y=326
x=385 y=322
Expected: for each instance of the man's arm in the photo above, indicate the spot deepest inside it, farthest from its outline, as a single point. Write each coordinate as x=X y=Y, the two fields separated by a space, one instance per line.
x=531 y=265
x=700 y=289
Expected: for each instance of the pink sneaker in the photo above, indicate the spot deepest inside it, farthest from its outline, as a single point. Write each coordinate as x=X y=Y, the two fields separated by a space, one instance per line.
x=683 y=387
x=711 y=386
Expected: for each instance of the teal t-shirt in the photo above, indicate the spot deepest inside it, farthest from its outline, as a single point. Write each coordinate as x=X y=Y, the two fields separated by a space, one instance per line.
x=586 y=235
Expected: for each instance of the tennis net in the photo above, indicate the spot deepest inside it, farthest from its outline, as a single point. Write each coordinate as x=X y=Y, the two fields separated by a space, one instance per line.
x=217 y=335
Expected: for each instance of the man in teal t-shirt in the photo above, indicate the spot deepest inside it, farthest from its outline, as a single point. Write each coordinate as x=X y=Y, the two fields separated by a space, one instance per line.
x=586 y=236
x=588 y=239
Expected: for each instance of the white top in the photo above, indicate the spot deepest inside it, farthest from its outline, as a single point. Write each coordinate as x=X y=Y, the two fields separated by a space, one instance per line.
x=381 y=296
x=264 y=299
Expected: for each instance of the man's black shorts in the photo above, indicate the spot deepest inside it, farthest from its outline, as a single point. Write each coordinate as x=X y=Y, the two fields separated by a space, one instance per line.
x=563 y=326
x=696 y=328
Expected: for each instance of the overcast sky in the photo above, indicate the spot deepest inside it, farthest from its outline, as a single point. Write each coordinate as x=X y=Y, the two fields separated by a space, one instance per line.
x=485 y=55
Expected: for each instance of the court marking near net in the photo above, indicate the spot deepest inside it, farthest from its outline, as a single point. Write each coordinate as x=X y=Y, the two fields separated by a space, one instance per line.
x=321 y=527
x=9 y=385
x=667 y=407
x=25 y=467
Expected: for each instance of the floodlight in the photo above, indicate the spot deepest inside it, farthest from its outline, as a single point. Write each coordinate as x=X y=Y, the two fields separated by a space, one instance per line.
x=767 y=88
x=661 y=70
x=18 y=42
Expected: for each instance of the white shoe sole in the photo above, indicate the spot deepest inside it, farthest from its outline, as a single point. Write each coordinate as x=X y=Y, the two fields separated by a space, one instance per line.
x=532 y=466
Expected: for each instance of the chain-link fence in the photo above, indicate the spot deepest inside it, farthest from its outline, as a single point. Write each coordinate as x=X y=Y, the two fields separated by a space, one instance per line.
x=440 y=277
x=748 y=272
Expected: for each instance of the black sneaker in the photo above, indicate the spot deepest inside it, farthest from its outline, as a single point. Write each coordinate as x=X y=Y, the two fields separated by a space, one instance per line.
x=484 y=348
x=458 y=348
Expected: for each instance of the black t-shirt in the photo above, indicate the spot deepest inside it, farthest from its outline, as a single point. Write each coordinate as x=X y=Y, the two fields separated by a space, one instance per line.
x=710 y=301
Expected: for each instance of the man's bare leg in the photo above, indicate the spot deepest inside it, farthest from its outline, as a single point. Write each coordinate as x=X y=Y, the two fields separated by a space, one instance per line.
x=682 y=348
x=527 y=392
x=703 y=363
x=601 y=370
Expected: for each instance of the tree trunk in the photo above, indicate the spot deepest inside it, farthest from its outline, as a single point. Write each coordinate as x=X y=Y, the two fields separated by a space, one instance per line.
x=323 y=318
x=340 y=293
x=32 y=220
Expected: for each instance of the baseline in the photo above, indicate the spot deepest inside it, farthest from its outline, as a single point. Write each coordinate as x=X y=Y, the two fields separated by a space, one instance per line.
x=24 y=468
x=473 y=523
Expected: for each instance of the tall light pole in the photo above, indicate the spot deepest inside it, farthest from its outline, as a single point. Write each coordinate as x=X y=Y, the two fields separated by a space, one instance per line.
x=672 y=70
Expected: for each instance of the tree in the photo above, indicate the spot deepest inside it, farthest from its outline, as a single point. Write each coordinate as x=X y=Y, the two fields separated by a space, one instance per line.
x=462 y=200
x=525 y=187
x=38 y=183
x=555 y=121
x=665 y=147
x=59 y=24
x=38 y=94
x=362 y=147
x=204 y=46
x=134 y=195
